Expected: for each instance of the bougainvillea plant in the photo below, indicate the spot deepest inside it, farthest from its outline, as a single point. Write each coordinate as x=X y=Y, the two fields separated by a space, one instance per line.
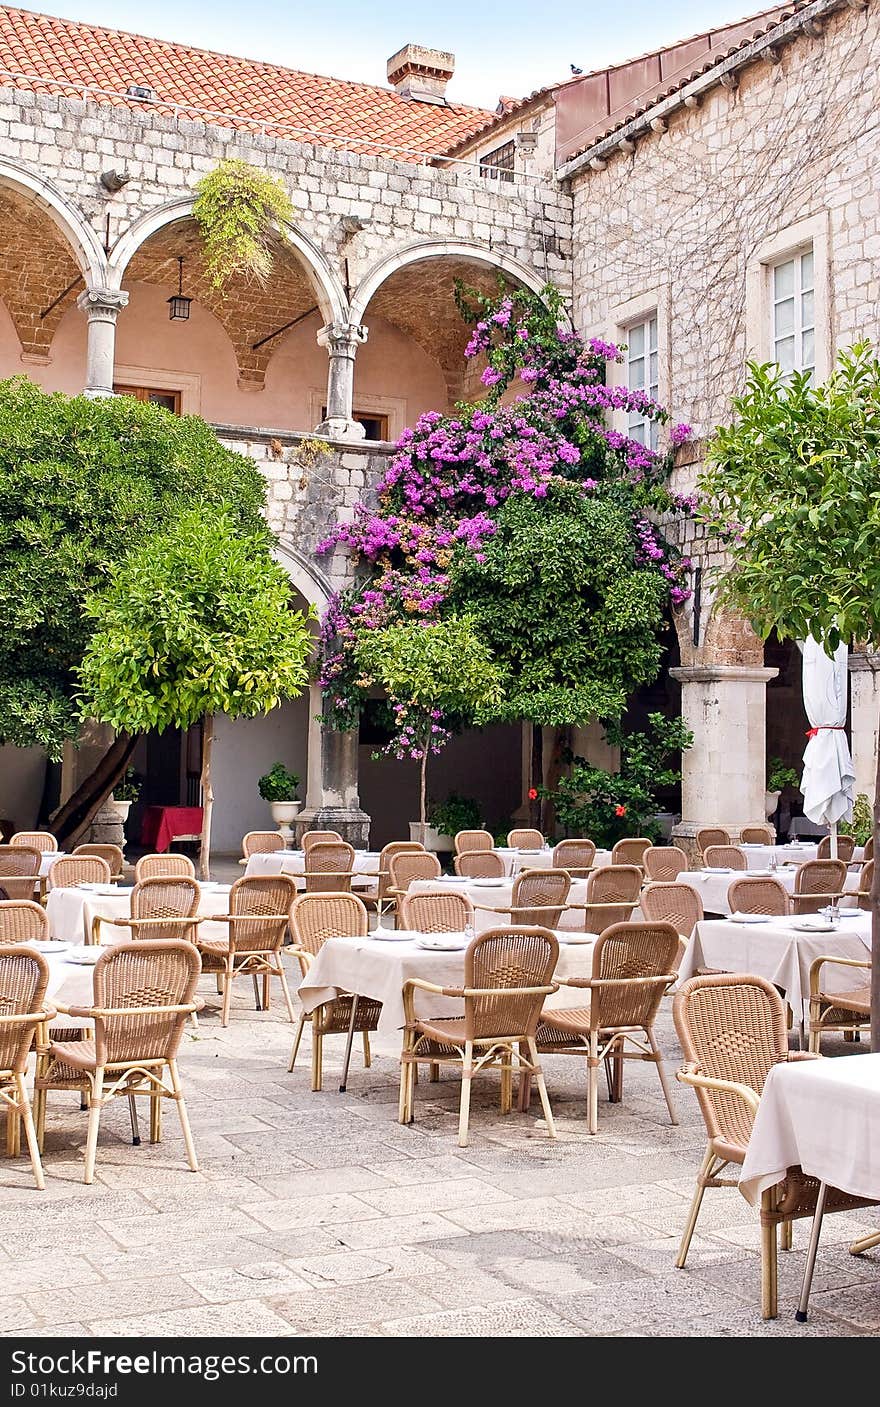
x=531 y=512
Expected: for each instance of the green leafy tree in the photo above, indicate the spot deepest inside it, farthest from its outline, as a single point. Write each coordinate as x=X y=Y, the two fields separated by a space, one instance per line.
x=791 y=489
x=82 y=482
x=436 y=677
x=196 y=621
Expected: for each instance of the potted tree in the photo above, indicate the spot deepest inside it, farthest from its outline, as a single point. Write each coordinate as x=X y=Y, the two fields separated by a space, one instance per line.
x=456 y=813
x=278 y=787
x=778 y=778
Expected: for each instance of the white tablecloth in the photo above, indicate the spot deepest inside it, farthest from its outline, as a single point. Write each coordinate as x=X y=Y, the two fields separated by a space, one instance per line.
x=48 y=860
x=778 y=952
x=70 y=913
x=294 y=864
x=517 y=860
x=821 y=1115
x=375 y=968
x=496 y=897
x=758 y=856
x=712 y=888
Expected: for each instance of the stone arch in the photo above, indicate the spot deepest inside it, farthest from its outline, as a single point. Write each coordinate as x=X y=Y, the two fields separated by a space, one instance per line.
x=328 y=290
x=729 y=639
x=305 y=576
x=67 y=218
x=436 y=249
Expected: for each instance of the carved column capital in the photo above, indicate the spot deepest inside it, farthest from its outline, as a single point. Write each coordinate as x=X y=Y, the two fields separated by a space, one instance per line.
x=102 y=302
x=342 y=339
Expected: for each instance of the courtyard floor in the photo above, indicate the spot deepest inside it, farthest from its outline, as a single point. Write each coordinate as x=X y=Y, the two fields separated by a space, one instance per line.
x=317 y=1214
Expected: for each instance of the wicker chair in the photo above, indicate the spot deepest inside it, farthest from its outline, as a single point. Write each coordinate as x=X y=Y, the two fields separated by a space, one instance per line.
x=507 y=974
x=866 y=879
x=436 y=913
x=24 y=975
x=612 y=894
x=472 y=840
x=633 y=965
x=163 y=867
x=22 y=921
x=20 y=871
x=525 y=839
x=712 y=835
x=868 y=852
x=72 y=870
x=310 y=838
x=732 y=1030
x=816 y=884
x=757 y=835
x=408 y=865
x=479 y=864
x=313 y=919
x=36 y=840
x=144 y=993
x=664 y=863
x=847 y=1011
x=329 y=865
x=538 y=900
x=758 y=894
x=160 y=908
x=379 y=897
x=111 y=853
x=630 y=851
x=728 y=857
x=675 y=903
x=257 y=920
x=261 y=843
x=576 y=856
x=845 y=848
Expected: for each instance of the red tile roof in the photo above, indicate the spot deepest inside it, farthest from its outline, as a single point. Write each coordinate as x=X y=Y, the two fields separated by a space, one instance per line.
x=45 y=54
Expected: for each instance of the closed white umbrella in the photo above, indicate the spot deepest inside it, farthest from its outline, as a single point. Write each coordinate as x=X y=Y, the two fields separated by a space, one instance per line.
x=828 y=782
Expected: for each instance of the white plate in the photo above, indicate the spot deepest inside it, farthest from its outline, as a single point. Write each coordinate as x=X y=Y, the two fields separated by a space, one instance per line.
x=719 y=869
x=760 y=874
x=51 y=945
x=805 y=927
x=106 y=890
x=454 y=879
x=85 y=957
x=391 y=935
x=565 y=937
x=489 y=883
x=750 y=918
x=752 y=845
x=442 y=942
x=531 y=851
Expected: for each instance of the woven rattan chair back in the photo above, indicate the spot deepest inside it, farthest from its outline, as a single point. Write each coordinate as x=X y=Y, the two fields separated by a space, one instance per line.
x=757 y=835
x=472 y=840
x=630 y=851
x=866 y=879
x=328 y=867
x=24 y=975
x=519 y=956
x=254 y=900
x=725 y=856
x=163 y=866
x=525 y=838
x=675 y=903
x=479 y=864
x=539 y=897
x=72 y=870
x=111 y=853
x=394 y=847
x=612 y=885
x=845 y=848
x=758 y=894
x=712 y=835
x=36 y=840
x=816 y=882
x=437 y=913
x=156 y=975
x=316 y=917
x=647 y=952
x=732 y=1027
x=868 y=853
x=310 y=838
x=19 y=868
x=261 y=843
x=164 y=898
x=410 y=865
x=576 y=856
x=22 y=921
x=664 y=863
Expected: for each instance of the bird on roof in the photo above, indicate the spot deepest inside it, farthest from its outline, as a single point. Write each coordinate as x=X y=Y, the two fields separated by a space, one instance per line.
x=575 y=70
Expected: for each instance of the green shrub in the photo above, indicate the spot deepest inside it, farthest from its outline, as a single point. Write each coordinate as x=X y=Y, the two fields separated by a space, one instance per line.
x=278 y=784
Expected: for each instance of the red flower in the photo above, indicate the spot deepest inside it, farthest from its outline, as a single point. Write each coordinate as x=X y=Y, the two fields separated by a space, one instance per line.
x=533 y=793
x=620 y=810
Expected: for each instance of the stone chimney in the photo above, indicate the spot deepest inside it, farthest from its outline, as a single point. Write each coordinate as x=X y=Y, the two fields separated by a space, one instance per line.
x=421 y=74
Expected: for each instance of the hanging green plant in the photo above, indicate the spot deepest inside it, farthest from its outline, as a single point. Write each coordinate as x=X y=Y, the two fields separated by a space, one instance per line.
x=237 y=208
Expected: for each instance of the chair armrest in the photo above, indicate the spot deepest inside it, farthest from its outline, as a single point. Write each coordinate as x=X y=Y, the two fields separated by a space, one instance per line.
x=100 y=1012
x=137 y=923
x=511 y=991
x=690 y=1075
x=804 y=1055
x=818 y=963
x=424 y=986
x=84 y=1011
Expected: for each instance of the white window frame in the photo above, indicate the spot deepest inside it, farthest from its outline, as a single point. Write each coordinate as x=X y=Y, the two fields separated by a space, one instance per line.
x=789 y=243
x=639 y=427
x=623 y=317
x=800 y=326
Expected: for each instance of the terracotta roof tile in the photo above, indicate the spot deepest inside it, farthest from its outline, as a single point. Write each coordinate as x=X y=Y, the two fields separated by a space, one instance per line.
x=48 y=54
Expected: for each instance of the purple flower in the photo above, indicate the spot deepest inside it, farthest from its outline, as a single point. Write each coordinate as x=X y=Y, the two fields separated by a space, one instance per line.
x=490 y=376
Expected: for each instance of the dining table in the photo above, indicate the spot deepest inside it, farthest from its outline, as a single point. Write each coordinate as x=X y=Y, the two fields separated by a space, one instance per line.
x=758 y=857
x=488 y=895
x=515 y=859
x=163 y=824
x=780 y=950
x=365 y=867
x=71 y=911
x=713 y=885
x=824 y=1117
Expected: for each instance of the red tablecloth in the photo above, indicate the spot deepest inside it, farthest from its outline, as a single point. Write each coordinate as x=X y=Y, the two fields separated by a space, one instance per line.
x=162 y=823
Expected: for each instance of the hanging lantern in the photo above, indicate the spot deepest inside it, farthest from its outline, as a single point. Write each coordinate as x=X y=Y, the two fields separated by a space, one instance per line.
x=178 y=305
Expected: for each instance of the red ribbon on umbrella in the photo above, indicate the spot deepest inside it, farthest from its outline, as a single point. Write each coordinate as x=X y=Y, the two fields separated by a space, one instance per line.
x=825 y=728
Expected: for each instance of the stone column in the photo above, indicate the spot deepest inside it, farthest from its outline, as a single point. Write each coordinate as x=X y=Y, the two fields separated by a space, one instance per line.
x=864 y=686
x=101 y=306
x=723 y=774
x=332 y=801
x=342 y=341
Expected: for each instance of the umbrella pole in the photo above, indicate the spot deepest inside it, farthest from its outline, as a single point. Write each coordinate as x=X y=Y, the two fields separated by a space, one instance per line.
x=834 y=840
